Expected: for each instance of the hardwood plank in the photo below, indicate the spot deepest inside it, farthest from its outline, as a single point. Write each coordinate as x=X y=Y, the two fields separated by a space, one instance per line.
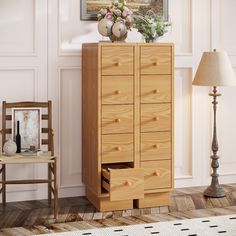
x=129 y=220
x=164 y=209
x=89 y=212
x=215 y=202
x=198 y=201
x=181 y=204
x=155 y=210
x=111 y=222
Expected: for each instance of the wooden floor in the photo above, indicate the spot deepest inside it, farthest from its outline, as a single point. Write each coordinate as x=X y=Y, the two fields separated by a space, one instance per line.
x=34 y=217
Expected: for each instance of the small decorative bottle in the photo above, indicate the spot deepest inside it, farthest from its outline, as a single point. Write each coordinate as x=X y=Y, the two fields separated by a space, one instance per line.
x=18 y=138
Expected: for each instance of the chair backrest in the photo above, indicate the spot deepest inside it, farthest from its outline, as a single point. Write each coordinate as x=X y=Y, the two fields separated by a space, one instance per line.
x=46 y=118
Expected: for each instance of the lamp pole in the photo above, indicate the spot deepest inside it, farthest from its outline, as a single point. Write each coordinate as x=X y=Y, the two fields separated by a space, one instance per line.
x=214 y=190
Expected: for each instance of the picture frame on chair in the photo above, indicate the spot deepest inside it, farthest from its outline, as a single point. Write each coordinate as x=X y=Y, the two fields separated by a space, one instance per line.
x=29 y=127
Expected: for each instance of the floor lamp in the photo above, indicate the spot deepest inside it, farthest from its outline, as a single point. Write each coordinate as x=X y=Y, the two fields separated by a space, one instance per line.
x=214 y=70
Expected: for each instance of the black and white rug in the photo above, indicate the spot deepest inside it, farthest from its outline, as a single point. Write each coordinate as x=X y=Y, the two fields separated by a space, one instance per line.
x=210 y=226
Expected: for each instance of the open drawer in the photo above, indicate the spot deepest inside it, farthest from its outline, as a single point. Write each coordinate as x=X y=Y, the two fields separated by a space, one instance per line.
x=123 y=184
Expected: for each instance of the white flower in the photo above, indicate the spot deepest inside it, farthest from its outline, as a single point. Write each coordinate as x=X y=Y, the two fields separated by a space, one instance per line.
x=103 y=11
x=129 y=18
x=118 y=12
x=124 y=13
x=116 y=2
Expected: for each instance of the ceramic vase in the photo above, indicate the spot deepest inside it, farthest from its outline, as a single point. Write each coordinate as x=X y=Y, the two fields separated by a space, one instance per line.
x=9 y=148
x=119 y=32
x=115 y=31
x=105 y=27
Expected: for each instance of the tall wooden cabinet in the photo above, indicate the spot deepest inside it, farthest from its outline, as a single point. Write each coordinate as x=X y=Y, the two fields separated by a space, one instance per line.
x=128 y=124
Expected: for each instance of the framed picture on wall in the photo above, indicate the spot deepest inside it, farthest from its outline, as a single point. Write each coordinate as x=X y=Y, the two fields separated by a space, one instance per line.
x=90 y=8
x=30 y=126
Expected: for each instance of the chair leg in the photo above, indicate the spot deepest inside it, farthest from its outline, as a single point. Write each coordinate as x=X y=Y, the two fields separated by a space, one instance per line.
x=55 y=189
x=3 y=185
x=49 y=184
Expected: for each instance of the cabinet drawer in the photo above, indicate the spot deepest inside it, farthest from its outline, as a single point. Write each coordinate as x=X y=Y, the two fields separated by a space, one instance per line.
x=123 y=184
x=117 y=60
x=117 y=119
x=157 y=174
x=117 y=148
x=155 y=88
x=156 y=60
x=155 y=117
x=117 y=90
x=155 y=146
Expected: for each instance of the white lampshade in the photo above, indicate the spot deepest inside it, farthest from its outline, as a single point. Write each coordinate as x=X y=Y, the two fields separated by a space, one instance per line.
x=215 y=69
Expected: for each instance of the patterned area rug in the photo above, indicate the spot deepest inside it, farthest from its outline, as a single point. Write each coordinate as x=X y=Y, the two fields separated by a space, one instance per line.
x=208 y=226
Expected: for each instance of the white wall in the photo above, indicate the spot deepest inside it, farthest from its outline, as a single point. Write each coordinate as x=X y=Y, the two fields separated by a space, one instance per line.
x=40 y=59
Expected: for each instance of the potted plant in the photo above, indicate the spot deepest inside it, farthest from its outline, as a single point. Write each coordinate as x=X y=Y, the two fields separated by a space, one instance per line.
x=151 y=25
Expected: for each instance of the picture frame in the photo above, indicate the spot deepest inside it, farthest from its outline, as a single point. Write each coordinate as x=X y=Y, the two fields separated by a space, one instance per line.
x=90 y=8
x=30 y=126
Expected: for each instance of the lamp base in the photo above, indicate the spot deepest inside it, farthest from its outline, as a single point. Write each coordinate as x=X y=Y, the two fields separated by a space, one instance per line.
x=214 y=192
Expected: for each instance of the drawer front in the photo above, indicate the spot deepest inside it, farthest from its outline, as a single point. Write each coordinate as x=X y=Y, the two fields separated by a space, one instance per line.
x=155 y=117
x=117 y=148
x=156 y=60
x=155 y=146
x=124 y=184
x=117 y=119
x=157 y=174
x=117 y=60
x=155 y=88
x=117 y=90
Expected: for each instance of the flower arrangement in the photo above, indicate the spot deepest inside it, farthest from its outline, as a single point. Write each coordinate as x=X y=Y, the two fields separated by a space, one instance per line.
x=115 y=20
x=150 y=25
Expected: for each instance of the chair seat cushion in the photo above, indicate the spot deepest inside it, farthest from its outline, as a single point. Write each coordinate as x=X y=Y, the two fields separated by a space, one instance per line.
x=20 y=159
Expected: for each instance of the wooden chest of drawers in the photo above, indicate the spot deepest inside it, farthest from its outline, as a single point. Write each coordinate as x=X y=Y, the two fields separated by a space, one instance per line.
x=128 y=124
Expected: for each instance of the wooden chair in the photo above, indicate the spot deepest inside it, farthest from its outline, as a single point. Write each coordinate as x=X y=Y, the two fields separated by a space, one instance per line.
x=48 y=157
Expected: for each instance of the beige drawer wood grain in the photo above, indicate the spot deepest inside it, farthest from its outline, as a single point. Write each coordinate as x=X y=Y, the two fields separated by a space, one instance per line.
x=117 y=119
x=157 y=174
x=155 y=88
x=155 y=146
x=117 y=148
x=117 y=89
x=124 y=184
x=117 y=60
x=156 y=60
x=155 y=117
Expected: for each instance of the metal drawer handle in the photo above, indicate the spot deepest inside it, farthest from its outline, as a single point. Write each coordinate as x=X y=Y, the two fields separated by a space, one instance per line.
x=117 y=120
x=156 y=173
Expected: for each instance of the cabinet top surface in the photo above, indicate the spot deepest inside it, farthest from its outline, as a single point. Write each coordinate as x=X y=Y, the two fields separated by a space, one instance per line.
x=108 y=43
